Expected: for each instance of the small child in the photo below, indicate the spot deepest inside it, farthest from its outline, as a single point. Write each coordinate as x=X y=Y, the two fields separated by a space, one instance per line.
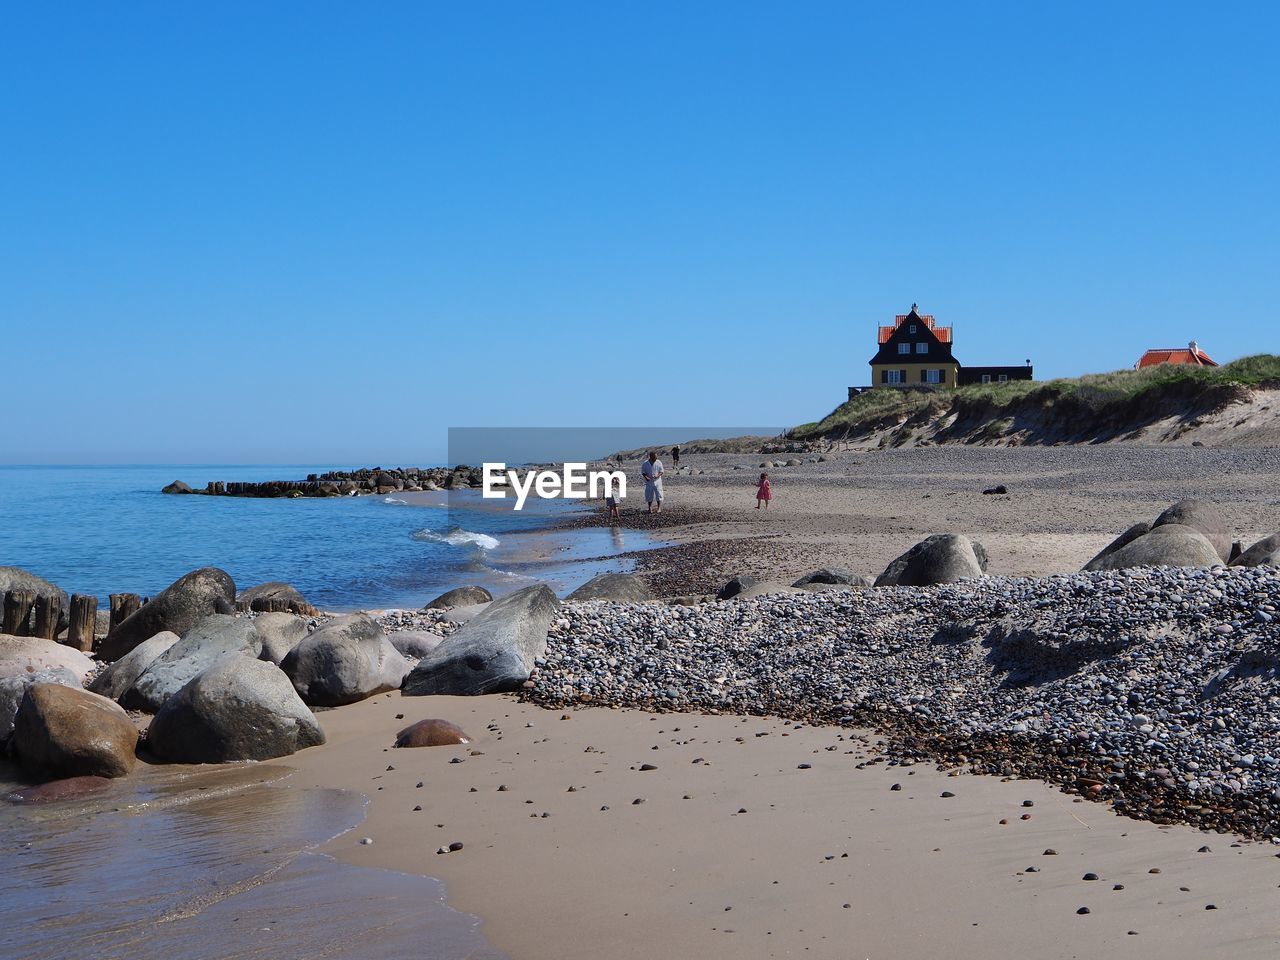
x=763 y=493
x=611 y=502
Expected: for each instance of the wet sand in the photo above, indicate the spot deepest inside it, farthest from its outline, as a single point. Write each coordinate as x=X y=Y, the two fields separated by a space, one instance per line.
x=740 y=849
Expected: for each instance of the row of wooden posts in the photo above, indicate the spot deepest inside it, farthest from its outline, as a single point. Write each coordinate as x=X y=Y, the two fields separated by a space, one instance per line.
x=27 y=614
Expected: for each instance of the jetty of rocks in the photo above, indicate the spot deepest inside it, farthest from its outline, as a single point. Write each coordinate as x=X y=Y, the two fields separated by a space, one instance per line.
x=342 y=483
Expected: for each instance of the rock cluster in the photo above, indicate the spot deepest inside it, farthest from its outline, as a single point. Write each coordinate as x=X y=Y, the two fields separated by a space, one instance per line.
x=1156 y=688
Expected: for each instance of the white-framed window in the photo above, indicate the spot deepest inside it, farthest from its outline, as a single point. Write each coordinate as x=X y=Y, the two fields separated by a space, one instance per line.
x=986 y=378
x=904 y=347
x=922 y=348
x=911 y=328
x=1004 y=378
x=894 y=376
x=933 y=376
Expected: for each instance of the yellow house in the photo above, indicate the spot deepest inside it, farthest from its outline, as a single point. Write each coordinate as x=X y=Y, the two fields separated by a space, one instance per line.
x=914 y=352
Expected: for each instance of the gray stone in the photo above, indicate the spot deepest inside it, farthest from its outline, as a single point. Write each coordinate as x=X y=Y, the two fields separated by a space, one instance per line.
x=1168 y=545
x=280 y=633
x=15 y=578
x=1126 y=538
x=345 y=660
x=619 y=587
x=1204 y=517
x=460 y=597
x=494 y=652
x=258 y=597
x=177 y=608
x=461 y=615
x=942 y=558
x=12 y=690
x=1264 y=553
x=832 y=575
x=735 y=586
x=237 y=709
x=176 y=487
x=70 y=732
x=22 y=656
x=209 y=641
x=415 y=643
x=123 y=674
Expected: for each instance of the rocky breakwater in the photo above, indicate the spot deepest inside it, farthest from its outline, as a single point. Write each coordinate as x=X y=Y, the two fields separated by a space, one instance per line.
x=1157 y=689
x=342 y=483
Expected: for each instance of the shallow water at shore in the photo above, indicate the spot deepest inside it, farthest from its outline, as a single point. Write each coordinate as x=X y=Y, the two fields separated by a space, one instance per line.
x=211 y=863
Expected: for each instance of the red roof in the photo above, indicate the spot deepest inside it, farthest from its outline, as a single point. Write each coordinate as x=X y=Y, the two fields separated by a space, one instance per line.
x=942 y=333
x=1180 y=355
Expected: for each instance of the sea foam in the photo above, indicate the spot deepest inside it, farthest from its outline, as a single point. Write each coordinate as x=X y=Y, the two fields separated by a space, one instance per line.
x=458 y=538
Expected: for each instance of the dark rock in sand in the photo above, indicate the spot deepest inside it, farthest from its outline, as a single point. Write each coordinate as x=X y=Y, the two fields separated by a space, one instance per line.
x=15 y=578
x=619 y=587
x=1263 y=553
x=460 y=597
x=345 y=660
x=735 y=586
x=1201 y=516
x=238 y=709
x=832 y=576
x=942 y=558
x=13 y=689
x=280 y=633
x=57 y=791
x=212 y=639
x=1126 y=538
x=415 y=643
x=494 y=652
x=177 y=608
x=23 y=656
x=71 y=732
x=177 y=487
x=259 y=597
x=998 y=490
x=1168 y=545
x=123 y=674
x=431 y=733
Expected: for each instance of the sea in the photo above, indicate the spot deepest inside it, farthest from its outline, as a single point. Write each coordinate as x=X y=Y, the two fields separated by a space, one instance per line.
x=223 y=862
x=108 y=529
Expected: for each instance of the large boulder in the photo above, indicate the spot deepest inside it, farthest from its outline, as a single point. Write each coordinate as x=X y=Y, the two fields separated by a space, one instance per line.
x=1126 y=538
x=1168 y=545
x=15 y=578
x=735 y=586
x=414 y=643
x=176 y=487
x=832 y=576
x=261 y=597
x=69 y=732
x=237 y=709
x=177 y=608
x=123 y=674
x=492 y=653
x=212 y=639
x=1201 y=516
x=21 y=656
x=280 y=633
x=619 y=587
x=942 y=558
x=431 y=733
x=460 y=597
x=345 y=660
x=1265 y=552
x=13 y=689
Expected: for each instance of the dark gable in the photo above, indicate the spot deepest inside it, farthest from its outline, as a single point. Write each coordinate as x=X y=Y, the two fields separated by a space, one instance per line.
x=938 y=352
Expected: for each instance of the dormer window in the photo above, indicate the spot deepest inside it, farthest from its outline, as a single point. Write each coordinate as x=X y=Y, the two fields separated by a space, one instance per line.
x=904 y=347
x=922 y=348
x=912 y=328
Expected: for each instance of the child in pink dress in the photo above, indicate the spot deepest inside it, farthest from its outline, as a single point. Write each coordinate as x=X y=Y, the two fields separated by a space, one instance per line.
x=763 y=493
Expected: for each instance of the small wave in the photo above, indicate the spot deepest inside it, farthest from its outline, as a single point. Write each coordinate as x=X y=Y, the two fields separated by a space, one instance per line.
x=458 y=538
x=403 y=503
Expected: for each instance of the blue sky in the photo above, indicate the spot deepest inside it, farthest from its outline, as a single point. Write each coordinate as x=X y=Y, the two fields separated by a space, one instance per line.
x=328 y=232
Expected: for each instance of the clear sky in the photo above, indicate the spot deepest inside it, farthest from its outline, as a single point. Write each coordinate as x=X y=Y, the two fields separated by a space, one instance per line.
x=322 y=232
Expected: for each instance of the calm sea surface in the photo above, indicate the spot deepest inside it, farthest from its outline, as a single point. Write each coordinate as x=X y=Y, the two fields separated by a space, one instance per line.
x=103 y=530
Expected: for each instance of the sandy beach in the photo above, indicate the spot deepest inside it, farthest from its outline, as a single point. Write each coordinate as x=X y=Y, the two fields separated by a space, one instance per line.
x=759 y=838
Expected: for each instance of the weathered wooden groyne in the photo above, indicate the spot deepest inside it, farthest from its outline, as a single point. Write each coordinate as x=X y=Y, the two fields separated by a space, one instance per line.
x=342 y=483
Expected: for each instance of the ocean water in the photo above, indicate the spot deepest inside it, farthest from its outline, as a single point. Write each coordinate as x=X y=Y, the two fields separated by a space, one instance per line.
x=210 y=863
x=103 y=530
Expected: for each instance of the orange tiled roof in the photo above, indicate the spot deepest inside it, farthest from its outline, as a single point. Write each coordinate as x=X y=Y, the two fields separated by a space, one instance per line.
x=1182 y=355
x=942 y=333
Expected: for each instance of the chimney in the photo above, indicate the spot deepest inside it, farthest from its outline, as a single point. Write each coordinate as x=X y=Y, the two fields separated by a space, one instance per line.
x=1195 y=347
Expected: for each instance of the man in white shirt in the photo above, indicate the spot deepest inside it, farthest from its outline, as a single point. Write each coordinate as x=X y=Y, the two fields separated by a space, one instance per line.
x=651 y=470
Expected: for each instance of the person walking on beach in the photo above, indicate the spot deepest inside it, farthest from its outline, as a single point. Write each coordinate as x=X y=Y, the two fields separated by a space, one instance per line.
x=651 y=470
x=763 y=492
x=611 y=502
x=675 y=456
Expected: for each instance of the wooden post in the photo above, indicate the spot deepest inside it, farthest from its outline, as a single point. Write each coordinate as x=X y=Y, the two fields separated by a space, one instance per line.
x=123 y=606
x=274 y=605
x=242 y=606
x=17 y=611
x=47 y=610
x=84 y=622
